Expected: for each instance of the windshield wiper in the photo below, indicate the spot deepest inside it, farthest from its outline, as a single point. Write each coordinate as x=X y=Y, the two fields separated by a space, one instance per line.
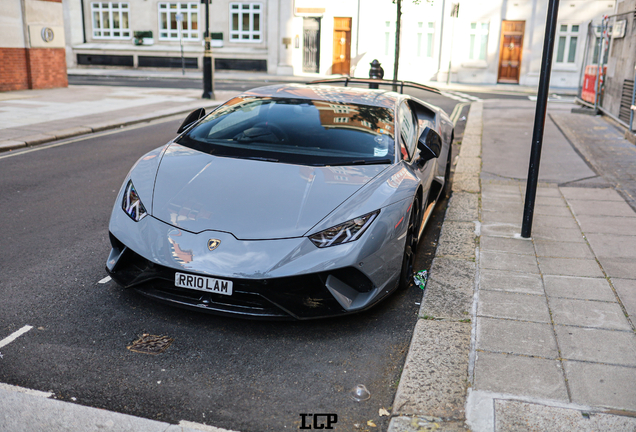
x=362 y=162
x=258 y=158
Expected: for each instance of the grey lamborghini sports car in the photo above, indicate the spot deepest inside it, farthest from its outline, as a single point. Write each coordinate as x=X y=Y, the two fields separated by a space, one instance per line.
x=288 y=201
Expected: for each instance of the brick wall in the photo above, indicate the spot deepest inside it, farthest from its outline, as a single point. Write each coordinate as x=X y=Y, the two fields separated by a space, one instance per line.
x=14 y=71
x=47 y=67
x=35 y=68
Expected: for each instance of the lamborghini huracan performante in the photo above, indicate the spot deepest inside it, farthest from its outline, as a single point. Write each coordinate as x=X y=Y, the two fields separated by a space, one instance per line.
x=288 y=201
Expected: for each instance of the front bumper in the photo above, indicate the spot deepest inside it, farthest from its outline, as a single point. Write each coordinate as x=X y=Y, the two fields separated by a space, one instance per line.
x=273 y=279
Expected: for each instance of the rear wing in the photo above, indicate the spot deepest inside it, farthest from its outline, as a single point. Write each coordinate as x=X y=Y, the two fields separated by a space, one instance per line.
x=376 y=83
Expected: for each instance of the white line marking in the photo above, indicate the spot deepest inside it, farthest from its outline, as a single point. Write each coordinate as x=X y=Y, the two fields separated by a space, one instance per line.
x=454 y=96
x=105 y=280
x=13 y=336
x=467 y=96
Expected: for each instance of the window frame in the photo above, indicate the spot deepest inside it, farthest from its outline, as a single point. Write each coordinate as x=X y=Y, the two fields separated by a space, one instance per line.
x=567 y=35
x=411 y=146
x=476 y=40
x=120 y=9
x=188 y=11
x=254 y=8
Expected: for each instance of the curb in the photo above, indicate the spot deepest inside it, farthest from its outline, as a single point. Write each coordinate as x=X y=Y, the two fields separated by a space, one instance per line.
x=37 y=139
x=435 y=380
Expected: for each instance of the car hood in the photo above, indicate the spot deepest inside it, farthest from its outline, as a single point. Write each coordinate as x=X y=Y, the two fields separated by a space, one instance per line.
x=253 y=200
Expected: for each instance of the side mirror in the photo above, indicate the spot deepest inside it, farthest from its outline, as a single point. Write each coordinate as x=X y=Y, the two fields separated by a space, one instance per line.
x=191 y=118
x=430 y=145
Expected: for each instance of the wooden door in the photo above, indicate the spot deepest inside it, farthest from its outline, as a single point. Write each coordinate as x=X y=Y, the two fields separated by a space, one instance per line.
x=341 y=46
x=510 y=50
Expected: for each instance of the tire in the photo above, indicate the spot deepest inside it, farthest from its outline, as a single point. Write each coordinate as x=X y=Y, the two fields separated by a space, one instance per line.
x=410 y=246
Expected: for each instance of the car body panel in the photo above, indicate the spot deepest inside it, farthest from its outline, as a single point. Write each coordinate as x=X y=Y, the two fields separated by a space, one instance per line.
x=250 y=199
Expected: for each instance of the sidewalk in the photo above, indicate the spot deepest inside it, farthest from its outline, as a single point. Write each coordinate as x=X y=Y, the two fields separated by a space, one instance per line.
x=31 y=117
x=551 y=343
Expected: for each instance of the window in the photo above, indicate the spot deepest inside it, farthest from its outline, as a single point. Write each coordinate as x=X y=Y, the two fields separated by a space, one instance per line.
x=110 y=20
x=566 y=46
x=245 y=22
x=408 y=128
x=478 y=41
x=430 y=34
x=387 y=38
x=169 y=14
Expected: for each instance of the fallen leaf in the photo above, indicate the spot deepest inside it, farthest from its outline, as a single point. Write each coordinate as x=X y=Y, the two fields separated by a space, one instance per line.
x=370 y=423
x=383 y=412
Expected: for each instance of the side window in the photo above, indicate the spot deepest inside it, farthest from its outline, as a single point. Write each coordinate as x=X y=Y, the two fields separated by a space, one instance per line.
x=408 y=131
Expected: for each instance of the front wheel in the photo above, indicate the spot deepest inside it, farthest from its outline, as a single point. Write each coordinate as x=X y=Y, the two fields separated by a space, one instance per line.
x=410 y=248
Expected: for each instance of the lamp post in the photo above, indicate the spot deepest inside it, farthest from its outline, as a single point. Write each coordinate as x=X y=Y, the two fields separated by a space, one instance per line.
x=539 y=117
x=208 y=79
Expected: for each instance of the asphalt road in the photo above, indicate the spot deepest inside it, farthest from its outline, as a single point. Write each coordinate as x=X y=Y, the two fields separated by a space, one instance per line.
x=236 y=374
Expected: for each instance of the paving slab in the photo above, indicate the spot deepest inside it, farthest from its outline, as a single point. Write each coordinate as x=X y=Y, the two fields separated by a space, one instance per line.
x=578 y=288
x=613 y=245
x=525 y=307
x=517 y=416
x=624 y=268
x=570 y=267
x=554 y=221
x=434 y=379
x=602 y=385
x=558 y=234
x=464 y=182
x=588 y=313
x=596 y=345
x=504 y=216
x=511 y=374
x=608 y=224
x=601 y=208
x=498 y=280
x=541 y=210
x=509 y=245
x=516 y=337
x=494 y=205
x=626 y=290
x=600 y=194
x=562 y=249
x=508 y=262
x=11 y=144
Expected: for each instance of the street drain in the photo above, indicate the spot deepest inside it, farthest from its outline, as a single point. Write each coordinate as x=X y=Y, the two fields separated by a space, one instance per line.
x=150 y=344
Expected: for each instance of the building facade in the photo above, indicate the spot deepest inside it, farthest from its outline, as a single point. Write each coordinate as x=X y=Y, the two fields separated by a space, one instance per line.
x=618 y=93
x=32 y=42
x=154 y=33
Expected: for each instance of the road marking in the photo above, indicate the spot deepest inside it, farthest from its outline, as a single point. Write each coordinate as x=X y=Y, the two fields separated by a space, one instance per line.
x=467 y=96
x=453 y=96
x=105 y=280
x=13 y=336
x=459 y=96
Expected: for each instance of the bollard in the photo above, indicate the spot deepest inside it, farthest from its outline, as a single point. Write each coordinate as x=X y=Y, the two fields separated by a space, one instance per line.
x=376 y=72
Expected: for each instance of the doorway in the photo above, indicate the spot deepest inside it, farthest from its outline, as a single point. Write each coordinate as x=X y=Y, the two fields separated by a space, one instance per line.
x=510 y=50
x=341 y=46
x=311 y=45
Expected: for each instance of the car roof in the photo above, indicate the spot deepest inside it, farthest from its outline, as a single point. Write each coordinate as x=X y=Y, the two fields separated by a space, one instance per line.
x=360 y=96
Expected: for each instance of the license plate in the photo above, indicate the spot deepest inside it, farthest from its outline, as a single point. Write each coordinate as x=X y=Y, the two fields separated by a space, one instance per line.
x=208 y=284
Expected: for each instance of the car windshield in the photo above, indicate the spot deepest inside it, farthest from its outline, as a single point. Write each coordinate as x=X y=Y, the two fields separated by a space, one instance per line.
x=298 y=131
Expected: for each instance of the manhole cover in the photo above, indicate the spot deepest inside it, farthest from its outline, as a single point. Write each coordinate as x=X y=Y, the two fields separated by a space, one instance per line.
x=150 y=344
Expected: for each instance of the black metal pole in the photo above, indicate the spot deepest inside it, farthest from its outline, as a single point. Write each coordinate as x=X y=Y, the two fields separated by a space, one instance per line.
x=208 y=82
x=539 y=117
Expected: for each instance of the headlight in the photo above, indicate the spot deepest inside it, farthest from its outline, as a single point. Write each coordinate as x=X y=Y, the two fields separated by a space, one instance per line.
x=344 y=233
x=131 y=203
